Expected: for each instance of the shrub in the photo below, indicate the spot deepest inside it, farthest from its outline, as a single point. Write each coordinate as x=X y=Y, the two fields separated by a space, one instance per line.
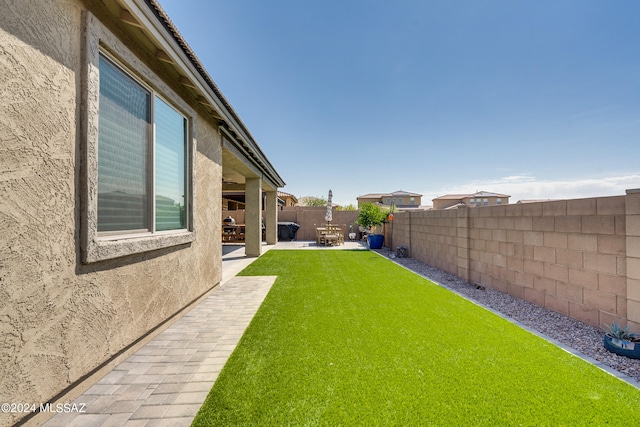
x=616 y=331
x=371 y=216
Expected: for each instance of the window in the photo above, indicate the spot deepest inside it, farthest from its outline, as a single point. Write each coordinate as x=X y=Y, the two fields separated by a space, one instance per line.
x=129 y=180
x=170 y=167
x=399 y=200
x=124 y=132
x=472 y=201
x=413 y=200
x=388 y=200
x=138 y=154
x=498 y=201
x=485 y=202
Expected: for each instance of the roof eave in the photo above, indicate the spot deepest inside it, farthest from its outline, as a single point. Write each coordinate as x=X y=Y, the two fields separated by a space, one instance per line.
x=150 y=15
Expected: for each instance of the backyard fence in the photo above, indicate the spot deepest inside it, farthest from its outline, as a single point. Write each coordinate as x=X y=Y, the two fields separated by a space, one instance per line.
x=308 y=218
x=579 y=257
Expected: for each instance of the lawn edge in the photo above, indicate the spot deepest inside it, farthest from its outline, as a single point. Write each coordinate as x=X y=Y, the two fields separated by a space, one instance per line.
x=621 y=376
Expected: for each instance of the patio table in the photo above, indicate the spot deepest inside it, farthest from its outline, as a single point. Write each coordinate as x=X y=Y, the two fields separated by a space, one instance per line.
x=328 y=235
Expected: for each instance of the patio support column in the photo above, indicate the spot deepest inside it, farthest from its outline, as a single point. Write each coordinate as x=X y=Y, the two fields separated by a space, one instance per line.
x=271 y=217
x=253 y=217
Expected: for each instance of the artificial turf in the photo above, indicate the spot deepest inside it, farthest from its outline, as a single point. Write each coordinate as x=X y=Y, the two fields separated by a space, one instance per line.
x=350 y=338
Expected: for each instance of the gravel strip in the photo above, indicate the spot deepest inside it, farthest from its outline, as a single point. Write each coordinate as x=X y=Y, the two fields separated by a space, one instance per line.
x=579 y=336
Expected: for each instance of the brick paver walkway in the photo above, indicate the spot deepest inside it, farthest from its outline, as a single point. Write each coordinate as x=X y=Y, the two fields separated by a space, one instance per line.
x=166 y=381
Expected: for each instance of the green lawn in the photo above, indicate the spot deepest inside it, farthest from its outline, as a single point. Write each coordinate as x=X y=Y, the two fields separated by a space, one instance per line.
x=349 y=338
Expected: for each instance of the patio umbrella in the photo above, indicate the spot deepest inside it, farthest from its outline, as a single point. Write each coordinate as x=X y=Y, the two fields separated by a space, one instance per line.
x=329 y=215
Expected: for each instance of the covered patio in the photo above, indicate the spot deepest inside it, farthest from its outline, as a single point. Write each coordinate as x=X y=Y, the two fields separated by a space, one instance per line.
x=245 y=168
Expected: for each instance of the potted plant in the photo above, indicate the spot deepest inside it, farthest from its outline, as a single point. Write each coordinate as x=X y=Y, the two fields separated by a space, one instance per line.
x=370 y=217
x=621 y=341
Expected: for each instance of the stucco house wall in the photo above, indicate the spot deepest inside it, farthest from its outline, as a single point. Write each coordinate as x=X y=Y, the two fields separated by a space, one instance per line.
x=62 y=318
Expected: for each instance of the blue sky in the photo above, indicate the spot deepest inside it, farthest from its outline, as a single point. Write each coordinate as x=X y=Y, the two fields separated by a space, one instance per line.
x=535 y=99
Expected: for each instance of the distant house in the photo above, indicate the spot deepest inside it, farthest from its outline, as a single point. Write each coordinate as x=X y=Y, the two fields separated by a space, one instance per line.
x=401 y=199
x=287 y=199
x=481 y=198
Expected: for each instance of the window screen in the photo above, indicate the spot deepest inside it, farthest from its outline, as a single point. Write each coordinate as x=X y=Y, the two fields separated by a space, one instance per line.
x=123 y=151
x=128 y=187
x=170 y=167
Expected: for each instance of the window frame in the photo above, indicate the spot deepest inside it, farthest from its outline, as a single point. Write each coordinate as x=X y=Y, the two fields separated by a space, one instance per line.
x=98 y=246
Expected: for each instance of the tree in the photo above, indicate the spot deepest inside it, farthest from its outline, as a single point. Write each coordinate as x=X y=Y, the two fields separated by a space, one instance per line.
x=371 y=216
x=349 y=207
x=312 y=201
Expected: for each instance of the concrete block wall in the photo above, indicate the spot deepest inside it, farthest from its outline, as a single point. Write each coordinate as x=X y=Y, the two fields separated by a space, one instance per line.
x=432 y=237
x=310 y=217
x=579 y=257
x=307 y=217
x=632 y=216
x=566 y=255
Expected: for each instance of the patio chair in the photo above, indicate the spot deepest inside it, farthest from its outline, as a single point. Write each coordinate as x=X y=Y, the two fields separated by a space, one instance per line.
x=341 y=234
x=331 y=238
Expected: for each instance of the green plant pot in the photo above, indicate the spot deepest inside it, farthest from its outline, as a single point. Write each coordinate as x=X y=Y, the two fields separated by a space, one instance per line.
x=375 y=241
x=622 y=347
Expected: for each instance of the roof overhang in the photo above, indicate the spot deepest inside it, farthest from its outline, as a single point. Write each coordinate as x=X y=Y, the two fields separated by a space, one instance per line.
x=147 y=20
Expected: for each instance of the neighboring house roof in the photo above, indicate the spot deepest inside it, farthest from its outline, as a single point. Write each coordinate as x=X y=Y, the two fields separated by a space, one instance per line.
x=477 y=194
x=405 y=193
x=452 y=197
x=372 y=196
x=394 y=194
x=488 y=194
x=283 y=194
x=456 y=206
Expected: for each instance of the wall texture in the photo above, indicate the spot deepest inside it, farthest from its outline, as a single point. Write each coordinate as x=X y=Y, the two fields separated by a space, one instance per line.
x=61 y=319
x=578 y=257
